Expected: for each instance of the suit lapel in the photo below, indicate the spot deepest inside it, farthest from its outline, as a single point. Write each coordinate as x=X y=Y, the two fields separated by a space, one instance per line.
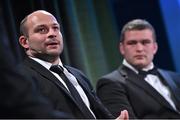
x=135 y=79
x=85 y=87
x=46 y=74
x=172 y=86
x=81 y=81
x=166 y=76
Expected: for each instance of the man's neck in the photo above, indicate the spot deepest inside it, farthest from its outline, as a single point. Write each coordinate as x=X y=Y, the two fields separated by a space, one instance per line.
x=46 y=63
x=125 y=63
x=51 y=59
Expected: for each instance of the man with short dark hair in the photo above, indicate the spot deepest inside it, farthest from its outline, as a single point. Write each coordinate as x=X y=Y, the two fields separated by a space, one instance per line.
x=137 y=85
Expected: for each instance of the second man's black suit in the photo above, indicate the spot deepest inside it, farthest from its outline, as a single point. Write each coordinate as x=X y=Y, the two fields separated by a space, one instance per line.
x=124 y=89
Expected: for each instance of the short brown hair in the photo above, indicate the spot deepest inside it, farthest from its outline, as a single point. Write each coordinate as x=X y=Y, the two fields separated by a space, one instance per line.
x=137 y=24
x=23 y=29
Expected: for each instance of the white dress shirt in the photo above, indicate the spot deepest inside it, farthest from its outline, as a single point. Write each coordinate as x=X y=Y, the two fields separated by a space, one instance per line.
x=155 y=82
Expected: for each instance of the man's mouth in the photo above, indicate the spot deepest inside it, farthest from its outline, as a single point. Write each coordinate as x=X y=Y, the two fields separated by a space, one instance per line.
x=139 y=56
x=53 y=44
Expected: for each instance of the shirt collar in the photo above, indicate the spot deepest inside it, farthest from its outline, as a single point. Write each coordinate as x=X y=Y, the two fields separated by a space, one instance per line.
x=149 y=67
x=46 y=64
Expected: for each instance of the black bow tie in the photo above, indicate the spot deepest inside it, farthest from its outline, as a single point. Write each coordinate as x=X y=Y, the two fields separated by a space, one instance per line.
x=145 y=73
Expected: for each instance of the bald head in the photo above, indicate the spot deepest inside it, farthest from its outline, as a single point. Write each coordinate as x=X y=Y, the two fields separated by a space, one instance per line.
x=39 y=12
x=33 y=17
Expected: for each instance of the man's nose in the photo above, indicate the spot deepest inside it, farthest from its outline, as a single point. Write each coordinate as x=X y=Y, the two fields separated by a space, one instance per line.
x=139 y=46
x=52 y=33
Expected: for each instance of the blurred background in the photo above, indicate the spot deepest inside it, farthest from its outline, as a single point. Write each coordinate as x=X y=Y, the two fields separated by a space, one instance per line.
x=91 y=30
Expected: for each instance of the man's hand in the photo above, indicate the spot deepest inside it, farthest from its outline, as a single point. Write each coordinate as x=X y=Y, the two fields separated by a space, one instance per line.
x=123 y=116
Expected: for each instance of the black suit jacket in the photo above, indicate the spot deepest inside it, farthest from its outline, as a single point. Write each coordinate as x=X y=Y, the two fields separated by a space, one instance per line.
x=124 y=89
x=18 y=95
x=54 y=90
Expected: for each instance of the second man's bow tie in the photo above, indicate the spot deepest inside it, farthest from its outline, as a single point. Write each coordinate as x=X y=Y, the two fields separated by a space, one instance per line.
x=145 y=73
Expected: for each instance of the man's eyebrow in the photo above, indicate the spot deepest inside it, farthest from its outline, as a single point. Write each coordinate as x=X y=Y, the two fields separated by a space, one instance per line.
x=55 y=24
x=42 y=25
x=131 y=40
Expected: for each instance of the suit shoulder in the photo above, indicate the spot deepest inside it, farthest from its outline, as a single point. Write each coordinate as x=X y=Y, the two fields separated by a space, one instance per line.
x=172 y=73
x=75 y=70
x=78 y=73
x=72 y=68
x=22 y=67
x=115 y=76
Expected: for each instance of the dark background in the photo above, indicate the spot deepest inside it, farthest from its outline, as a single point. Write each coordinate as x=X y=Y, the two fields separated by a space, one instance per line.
x=91 y=30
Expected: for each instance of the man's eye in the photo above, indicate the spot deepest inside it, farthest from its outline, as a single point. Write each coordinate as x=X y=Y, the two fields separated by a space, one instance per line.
x=42 y=30
x=132 y=43
x=56 y=28
x=145 y=42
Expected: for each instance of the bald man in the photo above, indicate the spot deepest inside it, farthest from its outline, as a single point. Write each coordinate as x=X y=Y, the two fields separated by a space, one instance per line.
x=18 y=95
x=43 y=43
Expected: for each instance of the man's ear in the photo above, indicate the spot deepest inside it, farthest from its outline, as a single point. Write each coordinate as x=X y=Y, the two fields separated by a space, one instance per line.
x=155 y=47
x=24 y=42
x=121 y=48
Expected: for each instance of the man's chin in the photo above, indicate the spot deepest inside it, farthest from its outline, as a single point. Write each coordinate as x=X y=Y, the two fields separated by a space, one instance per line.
x=139 y=65
x=53 y=53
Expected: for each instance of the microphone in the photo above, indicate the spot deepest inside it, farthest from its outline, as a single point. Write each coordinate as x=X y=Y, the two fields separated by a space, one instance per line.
x=34 y=50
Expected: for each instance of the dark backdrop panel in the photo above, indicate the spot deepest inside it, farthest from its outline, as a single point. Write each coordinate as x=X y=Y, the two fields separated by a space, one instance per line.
x=90 y=28
x=126 y=10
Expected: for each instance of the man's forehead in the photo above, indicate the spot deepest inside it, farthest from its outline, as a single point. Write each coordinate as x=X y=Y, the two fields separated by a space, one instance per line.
x=141 y=33
x=42 y=18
